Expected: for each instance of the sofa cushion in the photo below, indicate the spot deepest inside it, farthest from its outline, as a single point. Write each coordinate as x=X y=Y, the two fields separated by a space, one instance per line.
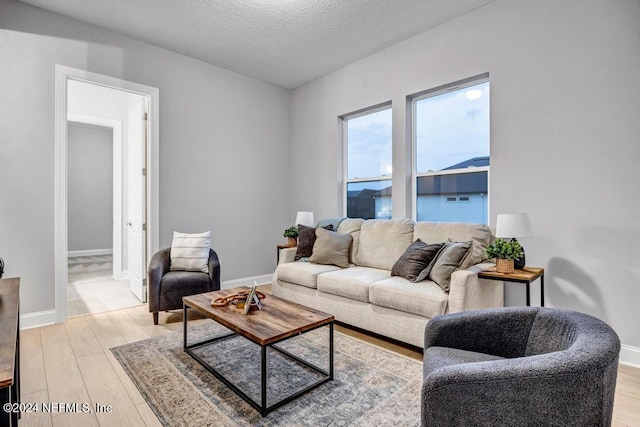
x=383 y=241
x=303 y=273
x=415 y=264
x=439 y=357
x=424 y=298
x=437 y=232
x=447 y=261
x=331 y=248
x=352 y=226
x=351 y=282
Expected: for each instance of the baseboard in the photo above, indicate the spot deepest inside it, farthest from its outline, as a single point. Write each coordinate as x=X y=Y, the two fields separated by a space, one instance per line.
x=35 y=320
x=246 y=281
x=630 y=355
x=90 y=252
x=48 y=317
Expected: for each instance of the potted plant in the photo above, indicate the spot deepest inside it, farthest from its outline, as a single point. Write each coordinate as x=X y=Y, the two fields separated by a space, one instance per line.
x=505 y=252
x=292 y=234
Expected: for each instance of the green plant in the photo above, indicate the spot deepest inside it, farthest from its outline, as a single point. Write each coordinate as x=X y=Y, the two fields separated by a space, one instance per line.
x=291 y=232
x=506 y=249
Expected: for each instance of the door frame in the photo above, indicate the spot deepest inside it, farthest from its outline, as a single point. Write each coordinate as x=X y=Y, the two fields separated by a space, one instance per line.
x=116 y=128
x=62 y=75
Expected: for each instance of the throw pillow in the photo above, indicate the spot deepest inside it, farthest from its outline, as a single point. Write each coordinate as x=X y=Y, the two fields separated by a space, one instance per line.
x=415 y=264
x=447 y=261
x=331 y=248
x=190 y=252
x=306 y=239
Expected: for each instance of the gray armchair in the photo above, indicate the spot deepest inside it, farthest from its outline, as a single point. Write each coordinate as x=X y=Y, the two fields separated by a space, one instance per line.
x=519 y=366
x=166 y=288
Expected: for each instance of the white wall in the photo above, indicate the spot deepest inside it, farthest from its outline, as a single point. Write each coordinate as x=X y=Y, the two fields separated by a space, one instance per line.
x=90 y=187
x=224 y=146
x=565 y=112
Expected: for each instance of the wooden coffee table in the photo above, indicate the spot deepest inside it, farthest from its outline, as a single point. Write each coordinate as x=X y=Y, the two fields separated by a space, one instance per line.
x=277 y=321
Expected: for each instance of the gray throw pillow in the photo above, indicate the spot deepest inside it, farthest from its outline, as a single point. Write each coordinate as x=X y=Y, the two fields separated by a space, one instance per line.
x=306 y=239
x=331 y=248
x=416 y=262
x=447 y=261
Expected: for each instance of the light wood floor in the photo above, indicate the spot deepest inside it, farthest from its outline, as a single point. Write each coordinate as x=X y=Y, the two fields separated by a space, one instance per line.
x=71 y=363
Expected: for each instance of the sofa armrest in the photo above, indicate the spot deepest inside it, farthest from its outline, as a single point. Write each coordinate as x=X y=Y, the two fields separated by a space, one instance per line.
x=214 y=270
x=159 y=265
x=287 y=255
x=468 y=292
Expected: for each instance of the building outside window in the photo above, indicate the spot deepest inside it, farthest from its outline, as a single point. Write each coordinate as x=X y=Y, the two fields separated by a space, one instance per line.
x=368 y=163
x=451 y=146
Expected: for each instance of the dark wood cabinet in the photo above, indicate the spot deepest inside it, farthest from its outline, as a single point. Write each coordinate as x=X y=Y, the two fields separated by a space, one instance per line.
x=9 y=351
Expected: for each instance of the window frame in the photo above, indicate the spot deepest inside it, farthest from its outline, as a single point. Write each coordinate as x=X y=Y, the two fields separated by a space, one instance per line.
x=430 y=93
x=345 y=150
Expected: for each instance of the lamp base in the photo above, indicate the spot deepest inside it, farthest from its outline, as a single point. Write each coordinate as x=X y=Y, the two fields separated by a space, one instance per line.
x=519 y=263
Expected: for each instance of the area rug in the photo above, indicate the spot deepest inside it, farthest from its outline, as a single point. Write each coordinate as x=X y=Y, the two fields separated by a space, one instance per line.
x=371 y=386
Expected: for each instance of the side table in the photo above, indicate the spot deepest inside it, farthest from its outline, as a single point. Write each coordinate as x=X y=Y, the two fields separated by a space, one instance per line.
x=282 y=247
x=526 y=276
x=10 y=354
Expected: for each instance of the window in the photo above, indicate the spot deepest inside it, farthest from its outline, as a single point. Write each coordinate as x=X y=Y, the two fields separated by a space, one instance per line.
x=368 y=165
x=451 y=146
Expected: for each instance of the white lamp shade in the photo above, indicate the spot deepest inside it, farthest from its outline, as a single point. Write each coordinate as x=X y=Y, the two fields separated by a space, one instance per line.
x=305 y=218
x=513 y=225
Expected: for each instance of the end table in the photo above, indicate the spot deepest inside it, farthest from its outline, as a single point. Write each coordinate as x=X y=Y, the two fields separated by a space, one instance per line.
x=526 y=276
x=282 y=247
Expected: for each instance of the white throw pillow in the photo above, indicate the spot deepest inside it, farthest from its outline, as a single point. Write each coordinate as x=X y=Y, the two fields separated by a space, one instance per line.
x=190 y=252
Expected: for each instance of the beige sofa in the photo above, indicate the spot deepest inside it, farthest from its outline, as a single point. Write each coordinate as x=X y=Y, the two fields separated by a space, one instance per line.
x=365 y=294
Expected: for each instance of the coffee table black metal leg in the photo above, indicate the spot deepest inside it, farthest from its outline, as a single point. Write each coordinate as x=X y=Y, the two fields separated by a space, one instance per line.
x=263 y=356
x=528 y=294
x=542 y=291
x=331 y=351
x=184 y=326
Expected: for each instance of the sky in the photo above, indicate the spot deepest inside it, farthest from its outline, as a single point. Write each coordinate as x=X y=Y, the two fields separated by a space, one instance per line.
x=369 y=145
x=450 y=128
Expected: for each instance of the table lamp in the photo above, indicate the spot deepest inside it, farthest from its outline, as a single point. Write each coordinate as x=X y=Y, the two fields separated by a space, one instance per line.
x=305 y=218
x=513 y=226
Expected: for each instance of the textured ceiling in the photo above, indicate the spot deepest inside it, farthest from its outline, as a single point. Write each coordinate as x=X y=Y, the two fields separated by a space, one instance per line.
x=284 y=42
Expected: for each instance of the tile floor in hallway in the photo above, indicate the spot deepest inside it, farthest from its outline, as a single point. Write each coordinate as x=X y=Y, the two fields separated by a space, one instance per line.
x=91 y=288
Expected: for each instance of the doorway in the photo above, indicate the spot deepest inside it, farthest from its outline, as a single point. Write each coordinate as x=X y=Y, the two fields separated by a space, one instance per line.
x=95 y=283
x=91 y=104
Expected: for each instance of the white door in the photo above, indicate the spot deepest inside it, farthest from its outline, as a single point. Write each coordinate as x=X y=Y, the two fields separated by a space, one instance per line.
x=136 y=197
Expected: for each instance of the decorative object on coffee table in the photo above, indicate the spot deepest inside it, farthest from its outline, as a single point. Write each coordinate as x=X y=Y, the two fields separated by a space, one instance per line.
x=249 y=300
x=510 y=226
x=505 y=252
x=234 y=298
